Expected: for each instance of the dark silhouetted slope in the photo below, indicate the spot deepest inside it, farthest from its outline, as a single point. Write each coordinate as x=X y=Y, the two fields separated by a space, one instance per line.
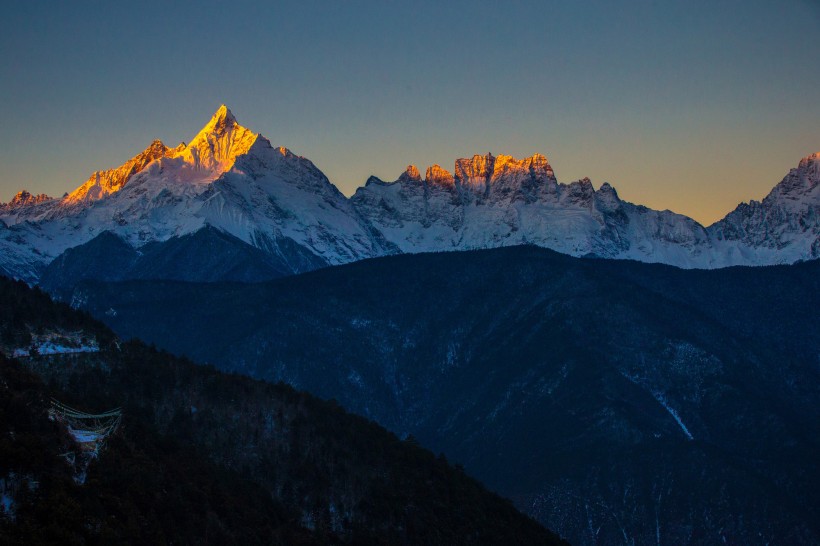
x=203 y=457
x=608 y=398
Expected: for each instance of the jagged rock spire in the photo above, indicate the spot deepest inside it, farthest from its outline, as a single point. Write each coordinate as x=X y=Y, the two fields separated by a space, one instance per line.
x=411 y=173
x=218 y=144
x=435 y=175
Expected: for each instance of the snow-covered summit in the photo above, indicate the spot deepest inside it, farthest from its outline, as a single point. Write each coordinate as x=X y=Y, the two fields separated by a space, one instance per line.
x=227 y=177
x=215 y=148
x=24 y=206
x=435 y=175
x=210 y=153
x=811 y=158
x=501 y=200
x=104 y=183
x=24 y=198
x=480 y=172
x=411 y=173
x=782 y=228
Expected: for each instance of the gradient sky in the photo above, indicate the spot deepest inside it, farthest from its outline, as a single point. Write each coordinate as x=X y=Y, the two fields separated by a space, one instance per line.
x=693 y=106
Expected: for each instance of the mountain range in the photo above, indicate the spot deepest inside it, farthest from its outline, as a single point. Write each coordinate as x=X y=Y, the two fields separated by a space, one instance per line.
x=230 y=206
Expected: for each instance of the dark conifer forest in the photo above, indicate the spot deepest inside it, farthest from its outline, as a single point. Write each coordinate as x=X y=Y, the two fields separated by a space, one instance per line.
x=204 y=457
x=607 y=398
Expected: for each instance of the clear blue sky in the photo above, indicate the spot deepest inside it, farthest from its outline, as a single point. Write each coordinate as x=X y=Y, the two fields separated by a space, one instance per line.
x=692 y=106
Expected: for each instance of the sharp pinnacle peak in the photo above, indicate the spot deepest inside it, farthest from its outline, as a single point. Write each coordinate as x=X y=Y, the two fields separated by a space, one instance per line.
x=224 y=113
x=221 y=123
x=156 y=144
x=410 y=173
x=436 y=175
x=222 y=120
x=810 y=158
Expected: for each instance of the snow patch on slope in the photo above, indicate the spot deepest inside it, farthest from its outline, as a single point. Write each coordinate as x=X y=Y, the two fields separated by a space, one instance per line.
x=659 y=396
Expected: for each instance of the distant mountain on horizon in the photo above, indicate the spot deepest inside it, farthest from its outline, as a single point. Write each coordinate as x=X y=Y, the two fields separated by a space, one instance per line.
x=230 y=195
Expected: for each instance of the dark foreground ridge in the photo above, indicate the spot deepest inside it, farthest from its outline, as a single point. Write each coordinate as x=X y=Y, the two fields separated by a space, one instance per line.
x=202 y=457
x=607 y=398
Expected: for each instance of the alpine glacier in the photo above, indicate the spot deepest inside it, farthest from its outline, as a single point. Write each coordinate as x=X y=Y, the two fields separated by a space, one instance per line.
x=232 y=180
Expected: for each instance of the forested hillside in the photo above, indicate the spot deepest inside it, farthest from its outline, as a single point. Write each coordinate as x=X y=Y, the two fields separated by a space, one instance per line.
x=203 y=457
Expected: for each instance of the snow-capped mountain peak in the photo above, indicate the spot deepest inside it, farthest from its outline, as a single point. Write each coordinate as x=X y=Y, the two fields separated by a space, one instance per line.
x=411 y=173
x=808 y=171
x=227 y=179
x=222 y=117
x=475 y=172
x=24 y=198
x=435 y=175
x=480 y=171
x=811 y=158
x=800 y=182
x=782 y=228
x=536 y=165
x=104 y=183
x=217 y=145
